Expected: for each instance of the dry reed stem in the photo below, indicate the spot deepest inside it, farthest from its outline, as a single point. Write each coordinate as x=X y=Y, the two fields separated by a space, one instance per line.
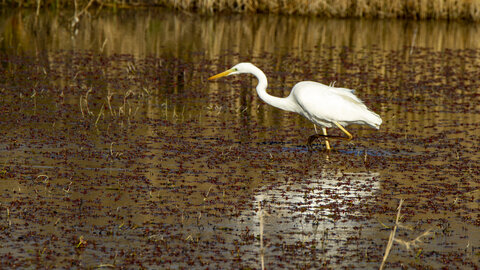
x=8 y=218
x=99 y=114
x=414 y=242
x=262 y=250
x=415 y=9
x=419 y=9
x=392 y=236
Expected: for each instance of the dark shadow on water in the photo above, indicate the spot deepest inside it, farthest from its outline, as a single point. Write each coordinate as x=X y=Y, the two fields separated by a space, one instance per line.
x=347 y=149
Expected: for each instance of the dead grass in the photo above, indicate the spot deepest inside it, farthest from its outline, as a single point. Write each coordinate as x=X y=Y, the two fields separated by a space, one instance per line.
x=407 y=244
x=391 y=239
x=416 y=9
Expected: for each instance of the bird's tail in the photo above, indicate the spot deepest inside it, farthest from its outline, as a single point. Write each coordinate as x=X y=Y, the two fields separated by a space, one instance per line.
x=374 y=120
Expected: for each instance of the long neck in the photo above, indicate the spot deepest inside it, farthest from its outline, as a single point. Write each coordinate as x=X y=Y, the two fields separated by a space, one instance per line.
x=281 y=103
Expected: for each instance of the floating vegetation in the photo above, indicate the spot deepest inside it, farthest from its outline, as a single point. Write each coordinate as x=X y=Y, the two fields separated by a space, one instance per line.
x=127 y=157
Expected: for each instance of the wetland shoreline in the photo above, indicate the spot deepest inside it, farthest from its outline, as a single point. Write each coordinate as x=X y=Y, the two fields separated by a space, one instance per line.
x=115 y=151
x=379 y=9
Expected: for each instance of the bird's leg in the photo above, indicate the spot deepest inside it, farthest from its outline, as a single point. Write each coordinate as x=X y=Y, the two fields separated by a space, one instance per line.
x=350 y=136
x=316 y=136
x=324 y=135
x=327 y=143
x=310 y=140
x=313 y=138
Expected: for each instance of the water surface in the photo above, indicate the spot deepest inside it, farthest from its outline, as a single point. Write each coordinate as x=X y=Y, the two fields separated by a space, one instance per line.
x=116 y=151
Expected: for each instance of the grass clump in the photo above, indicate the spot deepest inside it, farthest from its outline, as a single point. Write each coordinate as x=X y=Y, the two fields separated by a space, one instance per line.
x=412 y=9
x=415 y=9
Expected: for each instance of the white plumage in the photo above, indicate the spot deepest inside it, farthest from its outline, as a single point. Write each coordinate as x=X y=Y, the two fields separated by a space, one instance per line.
x=326 y=106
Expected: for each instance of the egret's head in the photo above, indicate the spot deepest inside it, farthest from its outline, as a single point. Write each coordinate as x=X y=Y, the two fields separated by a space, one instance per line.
x=237 y=69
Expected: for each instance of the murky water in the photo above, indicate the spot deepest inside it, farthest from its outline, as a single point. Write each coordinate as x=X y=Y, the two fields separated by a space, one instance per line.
x=116 y=151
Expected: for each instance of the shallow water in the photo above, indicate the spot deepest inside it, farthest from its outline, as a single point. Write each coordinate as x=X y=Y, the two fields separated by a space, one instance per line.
x=111 y=134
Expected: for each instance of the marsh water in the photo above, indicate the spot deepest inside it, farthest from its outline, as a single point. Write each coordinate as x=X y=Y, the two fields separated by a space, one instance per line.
x=115 y=150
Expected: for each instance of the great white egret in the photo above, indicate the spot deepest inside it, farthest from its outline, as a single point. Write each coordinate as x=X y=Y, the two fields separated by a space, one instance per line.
x=326 y=106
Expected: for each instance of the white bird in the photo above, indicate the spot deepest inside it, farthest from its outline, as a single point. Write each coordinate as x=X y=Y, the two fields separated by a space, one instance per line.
x=326 y=106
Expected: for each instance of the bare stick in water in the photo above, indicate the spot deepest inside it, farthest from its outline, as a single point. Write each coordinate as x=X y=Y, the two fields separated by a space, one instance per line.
x=392 y=236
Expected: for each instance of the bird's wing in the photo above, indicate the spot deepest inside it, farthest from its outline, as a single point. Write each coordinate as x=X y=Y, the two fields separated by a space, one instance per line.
x=322 y=102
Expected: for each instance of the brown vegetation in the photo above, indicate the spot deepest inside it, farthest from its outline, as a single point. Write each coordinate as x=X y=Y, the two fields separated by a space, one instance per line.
x=414 y=9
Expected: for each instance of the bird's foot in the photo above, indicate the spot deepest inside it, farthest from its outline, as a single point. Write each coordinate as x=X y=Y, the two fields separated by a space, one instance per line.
x=312 y=138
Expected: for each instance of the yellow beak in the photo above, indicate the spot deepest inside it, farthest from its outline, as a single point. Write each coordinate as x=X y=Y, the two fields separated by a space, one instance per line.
x=219 y=75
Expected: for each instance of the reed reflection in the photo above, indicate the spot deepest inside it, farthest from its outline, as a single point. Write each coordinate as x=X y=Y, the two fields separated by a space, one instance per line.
x=163 y=32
